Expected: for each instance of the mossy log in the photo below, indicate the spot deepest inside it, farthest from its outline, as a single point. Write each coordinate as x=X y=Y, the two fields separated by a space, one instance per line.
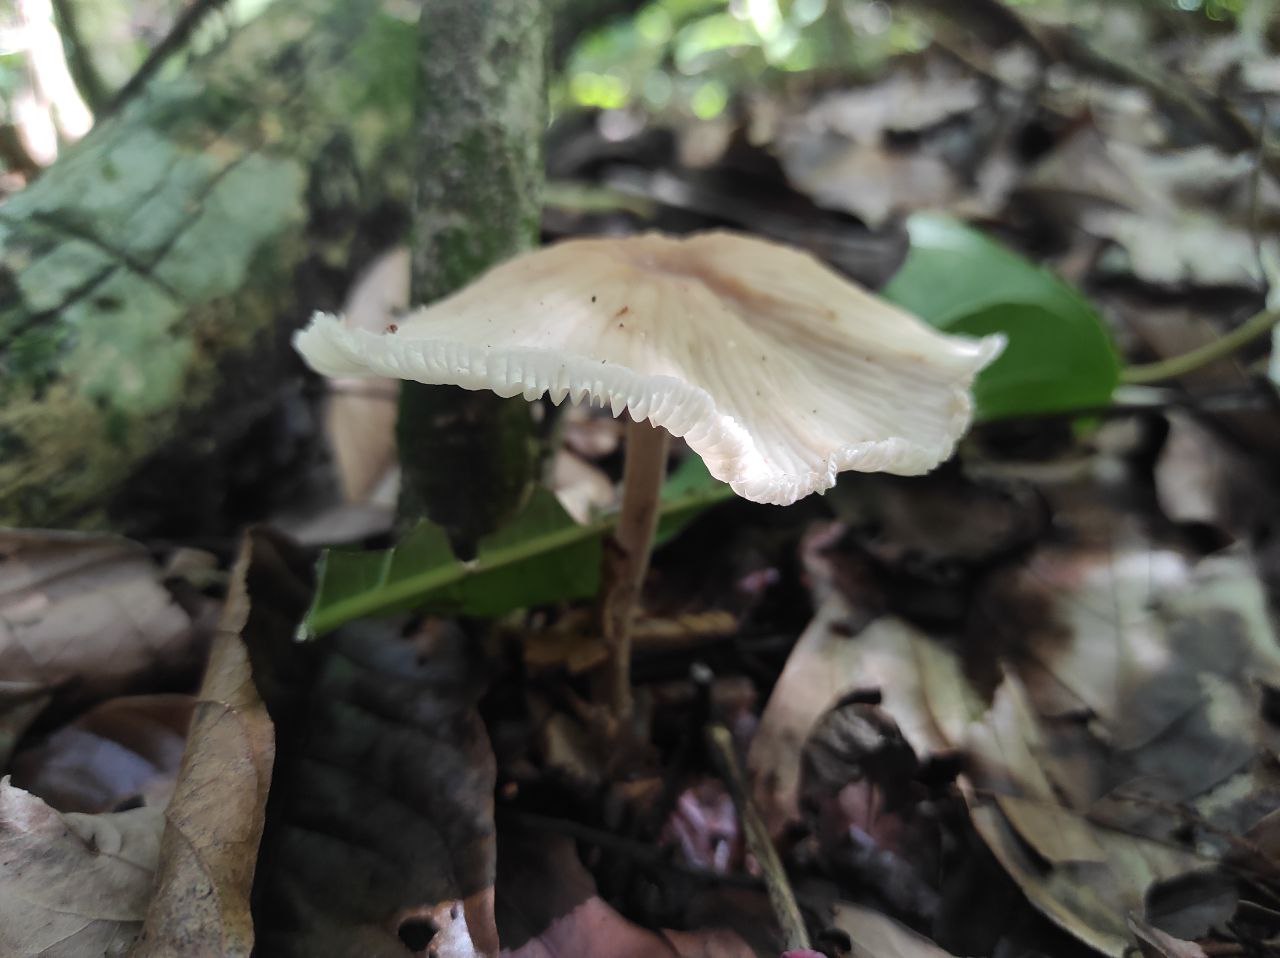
x=150 y=278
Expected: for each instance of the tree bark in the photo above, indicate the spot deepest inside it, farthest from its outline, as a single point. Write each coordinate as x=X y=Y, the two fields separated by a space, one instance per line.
x=469 y=458
x=150 y=278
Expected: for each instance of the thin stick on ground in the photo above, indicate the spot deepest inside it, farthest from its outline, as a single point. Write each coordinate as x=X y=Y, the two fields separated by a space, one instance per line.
x=795 y=935
x=642 y=476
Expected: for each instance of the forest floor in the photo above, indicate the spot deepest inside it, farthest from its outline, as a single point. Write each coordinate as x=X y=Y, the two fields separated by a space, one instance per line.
x=1024 y=705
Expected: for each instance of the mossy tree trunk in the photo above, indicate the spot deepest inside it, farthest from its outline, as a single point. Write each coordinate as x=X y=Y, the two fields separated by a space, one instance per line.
x=149 y=280
x=470 y=458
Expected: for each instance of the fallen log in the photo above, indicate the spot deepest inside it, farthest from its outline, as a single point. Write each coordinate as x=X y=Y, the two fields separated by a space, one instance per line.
x=150 y=278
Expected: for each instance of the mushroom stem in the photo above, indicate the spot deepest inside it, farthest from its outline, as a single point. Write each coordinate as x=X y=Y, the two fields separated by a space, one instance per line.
x=642 y=475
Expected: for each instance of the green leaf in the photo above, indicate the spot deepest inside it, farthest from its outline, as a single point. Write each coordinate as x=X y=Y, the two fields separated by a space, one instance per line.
x=1059 y=356
x=541 y=556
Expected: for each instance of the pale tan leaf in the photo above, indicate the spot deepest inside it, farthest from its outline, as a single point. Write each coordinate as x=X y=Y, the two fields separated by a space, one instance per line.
x=828 y=663
x=215 y=820
x=72 y=885
x=878 y=936
x=85 y=617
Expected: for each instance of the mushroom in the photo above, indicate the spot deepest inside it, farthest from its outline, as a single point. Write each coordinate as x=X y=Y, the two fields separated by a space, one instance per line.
x=778 y=372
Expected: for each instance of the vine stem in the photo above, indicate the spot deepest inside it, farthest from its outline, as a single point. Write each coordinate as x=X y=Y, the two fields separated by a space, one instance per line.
x=1202 y=356
x=642 y=476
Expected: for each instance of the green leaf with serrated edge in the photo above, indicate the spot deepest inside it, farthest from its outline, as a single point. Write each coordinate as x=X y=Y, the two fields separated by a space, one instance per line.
x=1060 y=356
x=541 y=556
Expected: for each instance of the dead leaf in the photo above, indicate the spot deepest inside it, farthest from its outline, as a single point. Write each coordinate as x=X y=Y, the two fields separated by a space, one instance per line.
x=360 y=416
x=74 y=884
x=1154 y=943
x=83 y=618
x=214 y=823
x=877 y=936
x=827 y=664
x=125 y=749
x=584 y=490
x=872 y=182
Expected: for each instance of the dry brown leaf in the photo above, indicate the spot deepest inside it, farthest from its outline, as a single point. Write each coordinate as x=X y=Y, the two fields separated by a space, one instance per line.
x=214 y=823
x=72 y=885
x=85 y=617
x=1129 y=693
x=878 y=936
x=122 y=750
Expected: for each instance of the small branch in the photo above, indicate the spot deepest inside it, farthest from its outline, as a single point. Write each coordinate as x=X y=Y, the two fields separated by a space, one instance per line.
x=1220 y=348
x=795 y=935
x=643 y=472
x=174 y=40
x=79 y=58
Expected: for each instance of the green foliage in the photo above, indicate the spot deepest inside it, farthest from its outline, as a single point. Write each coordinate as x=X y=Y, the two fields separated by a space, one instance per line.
x=687 y=56
x=542 y=556
x=1059 y=356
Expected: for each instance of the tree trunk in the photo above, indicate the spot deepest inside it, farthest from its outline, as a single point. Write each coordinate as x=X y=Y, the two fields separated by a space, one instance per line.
x=150 y=278
x=469 y=458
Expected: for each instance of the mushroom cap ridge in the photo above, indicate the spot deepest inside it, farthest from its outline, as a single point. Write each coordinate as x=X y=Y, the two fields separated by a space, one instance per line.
x=777 y=371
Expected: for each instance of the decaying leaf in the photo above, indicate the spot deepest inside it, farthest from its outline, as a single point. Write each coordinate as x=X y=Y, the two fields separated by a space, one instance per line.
x=878 y=935
x=214 y=822
x=382 y=800
x=827 y=664
x=84 y=617
x=123 y=750
x=1154 y=943
x=72 y=885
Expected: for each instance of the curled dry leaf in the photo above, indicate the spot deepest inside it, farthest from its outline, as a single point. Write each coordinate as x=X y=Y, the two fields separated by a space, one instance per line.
x=122 y=750
x=72 y=885
x=214 y=823
x=827 y=664
x=83 y=618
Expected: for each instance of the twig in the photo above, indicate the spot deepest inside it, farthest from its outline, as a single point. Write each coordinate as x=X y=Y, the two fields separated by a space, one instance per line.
x=795 y=935
x=79 y=59
x=1202 y=356
x=173 y=41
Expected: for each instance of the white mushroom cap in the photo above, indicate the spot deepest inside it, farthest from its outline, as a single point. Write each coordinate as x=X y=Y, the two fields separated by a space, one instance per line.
x=778 y=372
